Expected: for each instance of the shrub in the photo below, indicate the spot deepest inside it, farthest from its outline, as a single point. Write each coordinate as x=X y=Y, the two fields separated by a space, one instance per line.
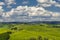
x=15 y=28
x=32 y=38
x=40 y=38
x=45 y=38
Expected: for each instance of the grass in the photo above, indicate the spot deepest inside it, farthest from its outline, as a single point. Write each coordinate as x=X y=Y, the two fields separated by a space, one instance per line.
x=28 y=31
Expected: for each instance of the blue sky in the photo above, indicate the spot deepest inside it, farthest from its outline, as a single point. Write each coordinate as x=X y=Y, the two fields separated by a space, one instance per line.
x=20 y=3
x=11 y=10
x=30 y=3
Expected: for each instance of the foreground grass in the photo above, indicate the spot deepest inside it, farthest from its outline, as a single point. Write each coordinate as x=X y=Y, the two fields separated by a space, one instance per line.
x=32 y=31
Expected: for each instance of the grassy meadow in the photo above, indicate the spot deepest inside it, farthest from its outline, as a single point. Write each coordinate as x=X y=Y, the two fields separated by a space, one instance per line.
x=29 y=31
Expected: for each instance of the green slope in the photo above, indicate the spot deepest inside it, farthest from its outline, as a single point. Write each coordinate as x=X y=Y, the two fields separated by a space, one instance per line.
x=32 y=31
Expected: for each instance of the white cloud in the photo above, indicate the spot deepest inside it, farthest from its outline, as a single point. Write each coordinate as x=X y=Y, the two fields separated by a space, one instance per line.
x=1 y=10
x=25 y=2
x=32 y=11
x=48 y=3
x=57 y=5
x=9 y=2
x=42 y=1
x=27 y=14
x=7 y=14
x=2 y=3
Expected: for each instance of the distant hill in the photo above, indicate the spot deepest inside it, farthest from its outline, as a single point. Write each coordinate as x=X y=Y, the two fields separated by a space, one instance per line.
x=34 y=22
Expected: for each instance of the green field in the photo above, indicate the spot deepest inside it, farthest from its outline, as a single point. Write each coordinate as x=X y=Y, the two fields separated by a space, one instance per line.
x=29 y=31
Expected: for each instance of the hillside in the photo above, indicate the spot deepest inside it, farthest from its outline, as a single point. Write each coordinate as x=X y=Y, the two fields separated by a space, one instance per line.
x=29 y=31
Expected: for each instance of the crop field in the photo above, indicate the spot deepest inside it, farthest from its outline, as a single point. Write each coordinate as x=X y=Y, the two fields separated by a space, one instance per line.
x=29 y=31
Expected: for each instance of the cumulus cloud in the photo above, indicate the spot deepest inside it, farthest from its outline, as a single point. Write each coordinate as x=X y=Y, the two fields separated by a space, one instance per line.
x=48 y=3
x=57 y=5
x=30 y=11
x=2 y=3
x=7 y=14
x=25 y=2
x=9 y=2
x=1 y=10
x=28 y=14
x=42 y=1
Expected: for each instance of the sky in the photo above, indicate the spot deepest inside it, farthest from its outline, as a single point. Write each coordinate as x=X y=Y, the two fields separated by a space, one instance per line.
x=29 y=10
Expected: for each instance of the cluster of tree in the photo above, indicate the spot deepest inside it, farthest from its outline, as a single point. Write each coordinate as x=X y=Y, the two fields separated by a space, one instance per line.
x=16 y=28
x=39 y=38
x=56 y=26
x=5 y=36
